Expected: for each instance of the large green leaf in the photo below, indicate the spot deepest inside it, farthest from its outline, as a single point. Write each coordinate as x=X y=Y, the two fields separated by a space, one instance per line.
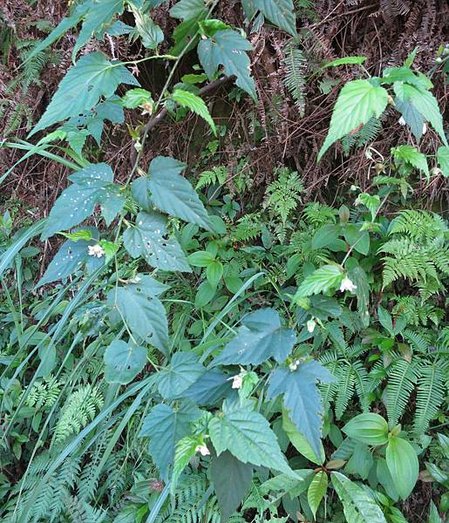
x=260 y=337
x=369 y=428
x=91 y=78
x=300 y=442
x=173 y=194
x=357 y=102
x=188 y=9
x=92 y=185
x=194 y=103
x=317 y=490
x=182 y=372
x=321 y=280
x=403 y=465
x=228 y=48
x=231 y=479
x=165 y=426
x=123 y=361
x=211 y=387
x=302 y=398
x=147 y=238
x=150 y=33
x=358 y=505
x=138 y=306
x=248 y=436
x=280 y=12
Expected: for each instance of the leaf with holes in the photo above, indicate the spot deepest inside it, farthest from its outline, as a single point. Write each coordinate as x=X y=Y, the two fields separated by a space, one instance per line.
x=248 y=437
x=302 y=398
x=194 y=103
x=90 y=79
x=142 y=312
x=123 y=361
x=165 y=426
x=92 y=185
x=358 y=102
x=280 y=13
x=173 y=194
x=260 y=337
x=182 y=372
x=229 y=49
x=147 y=238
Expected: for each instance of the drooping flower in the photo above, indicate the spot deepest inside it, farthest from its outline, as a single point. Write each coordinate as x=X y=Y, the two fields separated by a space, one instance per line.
x=203 y=450
x=347 y=285
x=237 y=381
x=311 y=324
x=95 y=250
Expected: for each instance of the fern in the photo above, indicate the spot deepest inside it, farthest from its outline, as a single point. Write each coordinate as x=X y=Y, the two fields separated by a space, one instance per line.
x=247 y=228
x=80 y=408
x=345 y=390
x=43 y=394
x=402 y=378
x=283 y=195
x=216 y=176
x=295 y=67
x=368 y=133
x=431 y=390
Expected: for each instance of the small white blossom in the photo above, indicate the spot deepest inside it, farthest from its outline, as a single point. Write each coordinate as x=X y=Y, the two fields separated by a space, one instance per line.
x=293 y=365
x=203 y=450
x=347 y=285
x=311 y=324
x=424 y=128
x=95 y=250
x=401 y=121
x=237 y=381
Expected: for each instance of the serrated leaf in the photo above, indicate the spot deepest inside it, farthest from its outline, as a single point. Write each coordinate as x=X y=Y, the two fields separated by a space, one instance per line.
x=150 y=33
x=317 y=490
x=300 y=442
x=402 y=462
x=247 y=436
x=194 y=103
x=211 y=387
x=148 y=238
x=91 y=78
x=358 y=505
x=165 y=427
x=280 y=13
x=411 y=155
x=231 y=479
x=173 y=194
x=357 y=102
x=123 y=361
x=135 y=97
x=321 y=280
x=412 y=117
x=228 y=48
x=184 y=451
x=260 y=337
x=187 y=9
x=183 y=370
x=425 y=103
x=92 y=185
x=347 y=60
x=443 y=160
x=302 y=398
x=143 y=313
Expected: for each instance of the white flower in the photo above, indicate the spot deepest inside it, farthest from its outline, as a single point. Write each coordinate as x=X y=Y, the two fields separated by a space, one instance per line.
x=347 y=285
x=237 y=381
x=95 y=250
x=311 y=324
x=293 y=365
x=203 y=450
x=424 y=128
x=401 y=121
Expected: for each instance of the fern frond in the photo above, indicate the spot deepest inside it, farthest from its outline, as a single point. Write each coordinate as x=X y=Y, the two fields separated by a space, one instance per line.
x=431 y=391
x=402 y=378
x=295 y=66
x=283 y=195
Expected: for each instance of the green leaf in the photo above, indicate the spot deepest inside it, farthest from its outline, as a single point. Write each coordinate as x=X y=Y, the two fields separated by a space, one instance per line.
x=443 y=160
x=214 y=272
x=411 y=155
x=91 y=78
x=173 y=194
x=368 y=428
x=280 y=13
x=300 y=442
x=425 y=103
x=148 y=238
x=201 y=259
x=247 y=436
x=231 y=479
x=135 y=97
x=434 y=517
x=228 y=48
x=260 y=337
x=357 y=102
x=188 y=9
x=357 y=239
x=184 y=451
x=325 y=236
x=123 y=361
x=302 y=398
x=347 y=60
x=412 y=117
x=149 y=325
x=358 y=505
x=211 y=387
x=370 y=201
x=403 y=465
x=183 y=371
x=150 y=33
x=194 y=103
x=165 y=426
x=322 y=280
x=92 y=185
x=317 y=490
